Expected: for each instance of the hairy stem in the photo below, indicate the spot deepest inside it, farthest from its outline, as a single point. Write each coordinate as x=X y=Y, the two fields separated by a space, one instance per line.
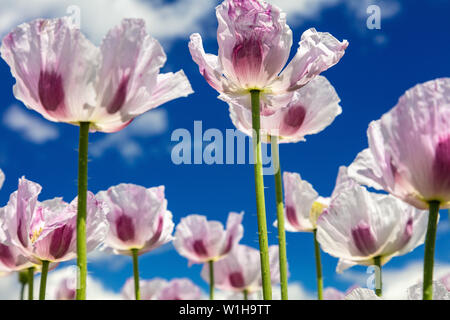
x=260 y=201
x=318 y=267
x=280 y=219
x=137 y=291
x=81 y=214
x=43 y=285
x=430 y=241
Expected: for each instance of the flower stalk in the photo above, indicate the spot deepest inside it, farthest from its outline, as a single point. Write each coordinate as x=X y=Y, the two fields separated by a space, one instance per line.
x=378 y=276
x=43 y=285
x=137 y=291
x=280 y=218
x=318 y=267
x=211 y=279
x=81 y=214
x=30 y=283
x=260 y=201
x=430 y=242
x=23 y=280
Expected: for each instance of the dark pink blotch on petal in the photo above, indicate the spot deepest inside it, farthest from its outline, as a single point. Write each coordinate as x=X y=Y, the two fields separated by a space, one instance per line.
x=125 y=228
x=51 y=90
x=119 y=97
x=22 y=233
x=363 y=238
x=441 y=165
x=60 y=242
x=407 y=234
x=6 y=256
x=158 y=232
x=291 y=216
x=199 y=248
x=293 y=120
x=236 y=280
x=247 y=59
x=229 y=245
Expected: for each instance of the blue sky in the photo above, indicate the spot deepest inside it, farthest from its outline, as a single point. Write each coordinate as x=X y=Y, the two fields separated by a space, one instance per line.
x=411 y=47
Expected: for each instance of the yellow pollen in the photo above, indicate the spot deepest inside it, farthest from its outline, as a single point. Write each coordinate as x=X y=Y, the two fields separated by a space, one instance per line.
x=36 y=234
x=316 y=210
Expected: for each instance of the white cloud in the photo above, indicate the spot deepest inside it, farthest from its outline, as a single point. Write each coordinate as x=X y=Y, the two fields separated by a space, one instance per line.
x=164 y=20
x=171 y=20
x=303 y=8
x=152 y=123
x=10 y=288
x=29 y=125
x=296 y=291
x=311 y=8
x=397 y=281
x=388 y=9
x=108 y=260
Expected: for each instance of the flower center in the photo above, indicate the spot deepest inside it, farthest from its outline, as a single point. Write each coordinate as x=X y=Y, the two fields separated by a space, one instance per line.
x=247 y=60
x=316 y=210
x=35 y=235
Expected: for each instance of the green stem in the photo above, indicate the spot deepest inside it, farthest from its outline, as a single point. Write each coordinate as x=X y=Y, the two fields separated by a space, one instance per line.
x=137 y=291
x=211 y=280
x=378 y=276
x=260 y=202
x=22 y=290
x=81 y=214
x=280 y=219
x=23 y=280
x=44 y=273
x=429 y=250
x=245 y=293
x=318 y=267
x=30 y=282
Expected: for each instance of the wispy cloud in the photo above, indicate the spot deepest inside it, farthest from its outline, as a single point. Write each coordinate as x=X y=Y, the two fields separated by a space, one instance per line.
x=164 y=20
x=312 y=8
x=126 y=142
x=397 y=281
x=10 y=288
x=29 y=125
x=303 y=8
x=296 y=292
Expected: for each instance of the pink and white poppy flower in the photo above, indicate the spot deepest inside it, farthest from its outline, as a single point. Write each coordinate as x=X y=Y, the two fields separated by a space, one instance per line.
x=440 y=291
x=254 y=46
x=417 y=171
x=241 y=270
x=331 y=293
x=202 y=241
x=413 y=293
x=359 y=226
x=445 y=280
x=66 y=78
x=66 y=289
x=180 y=289
x=12 y=259
x=362 y=294
x=311 y=109
x=149 y=289
x=302 y=204
x=46 y=231
x=138 y=218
